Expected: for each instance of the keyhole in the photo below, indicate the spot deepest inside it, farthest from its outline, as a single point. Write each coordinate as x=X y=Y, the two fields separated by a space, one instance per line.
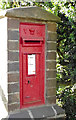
x=28 y=81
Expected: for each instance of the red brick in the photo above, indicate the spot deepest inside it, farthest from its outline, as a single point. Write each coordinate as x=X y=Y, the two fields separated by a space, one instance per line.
x=13 y=23
x=51 y=27
x=50 y=74
x=13 y=35
x=51 y=64
x=51 y=56
x=13 y=56
x=13 y=107
x=13 y=77
x=13 y=66
x=13 y=45
x=51 y=92
x=51 y=83
x=52 y=36
x=51 y=100
x=12 y=88
x=13 y=98
x=51 y=46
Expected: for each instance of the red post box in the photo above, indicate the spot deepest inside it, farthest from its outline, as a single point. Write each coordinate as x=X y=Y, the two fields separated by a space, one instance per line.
x=32 y=64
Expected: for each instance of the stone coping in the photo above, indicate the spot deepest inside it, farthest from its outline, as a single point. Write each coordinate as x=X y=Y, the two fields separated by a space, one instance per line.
x=35 y=13
x=43 y=112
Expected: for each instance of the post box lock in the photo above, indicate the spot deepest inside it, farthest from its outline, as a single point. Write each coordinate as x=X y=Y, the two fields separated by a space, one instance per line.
x=27 y=82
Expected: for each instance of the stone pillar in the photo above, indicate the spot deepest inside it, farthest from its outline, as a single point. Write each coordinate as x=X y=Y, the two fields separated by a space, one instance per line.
x=51 y=62
x=13 y=19
x=13 y=64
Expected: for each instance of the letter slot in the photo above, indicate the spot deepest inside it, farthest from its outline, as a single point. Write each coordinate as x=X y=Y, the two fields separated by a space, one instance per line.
x=32 y=42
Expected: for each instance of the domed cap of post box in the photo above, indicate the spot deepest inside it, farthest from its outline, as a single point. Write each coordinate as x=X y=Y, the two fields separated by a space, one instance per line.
x=36 y=13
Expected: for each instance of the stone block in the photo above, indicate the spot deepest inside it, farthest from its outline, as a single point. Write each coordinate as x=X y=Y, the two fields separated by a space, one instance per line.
x=51 y=26
x=51 y=65
x=51 y=100
x=51 y=83
x=35 y=13
x=20 y=115
x=52 y=36
x=51 y=91
x=13 y=98
x=12 y=88
x=51 y=56
x=51 y=46
x=13 y=35
x=13 y=77
x=50 y=74
x=58 y=109
x=61 y=118
x=13 y=107
x=42 y=112
x=13 y=66
x=13 y=56
x=13 y=23
x=13 y=45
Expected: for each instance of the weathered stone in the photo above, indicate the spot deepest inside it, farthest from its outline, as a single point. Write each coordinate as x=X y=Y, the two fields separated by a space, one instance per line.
x=13 y=77
x=51 y=46
x=13 y=23
x=13 y=98
x=50 y=74
x=51 y=56
x=45 y=112
x=13 y=107
x=61 y=118
x=52 y=36
x=12 y=88
x=20 y=115
x=51 y=83
x=13 y=66
x=13 y=45
x=51 y=26
x=51 y=65
x=59 y=110
x=13 y=56
x=51 y=100
x=30 y=13
x=42 y=112
x=51 y=91
x=13 y=35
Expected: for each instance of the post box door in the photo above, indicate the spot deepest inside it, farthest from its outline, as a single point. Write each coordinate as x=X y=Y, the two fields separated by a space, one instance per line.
x=32 y=64
x=31 y=77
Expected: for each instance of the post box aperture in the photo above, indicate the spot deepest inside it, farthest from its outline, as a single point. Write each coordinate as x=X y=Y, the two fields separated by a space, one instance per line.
x=32 y=64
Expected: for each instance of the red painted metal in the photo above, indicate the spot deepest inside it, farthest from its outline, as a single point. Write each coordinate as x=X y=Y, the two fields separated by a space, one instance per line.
x=32 y=43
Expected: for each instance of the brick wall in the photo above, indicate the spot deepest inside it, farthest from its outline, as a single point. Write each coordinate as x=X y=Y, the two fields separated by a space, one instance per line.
x=51 y=63
x=13 y=64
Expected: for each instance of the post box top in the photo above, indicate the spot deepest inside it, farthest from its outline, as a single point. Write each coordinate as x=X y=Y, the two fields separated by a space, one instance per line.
x=35 y=13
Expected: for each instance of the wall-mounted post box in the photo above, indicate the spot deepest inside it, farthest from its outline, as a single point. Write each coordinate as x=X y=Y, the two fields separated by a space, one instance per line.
x=28 y=61
x=32 y=63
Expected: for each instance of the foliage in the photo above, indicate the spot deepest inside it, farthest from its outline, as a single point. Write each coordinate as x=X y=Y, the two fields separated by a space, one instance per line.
x=66 y=48
x=67 y=99
x=66 y=43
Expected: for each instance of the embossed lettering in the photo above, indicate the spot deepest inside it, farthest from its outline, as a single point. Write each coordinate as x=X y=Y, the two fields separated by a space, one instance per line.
x=32 y=31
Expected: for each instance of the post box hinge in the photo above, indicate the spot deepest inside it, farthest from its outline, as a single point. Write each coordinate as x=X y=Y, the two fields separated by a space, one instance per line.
x=20 y=40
